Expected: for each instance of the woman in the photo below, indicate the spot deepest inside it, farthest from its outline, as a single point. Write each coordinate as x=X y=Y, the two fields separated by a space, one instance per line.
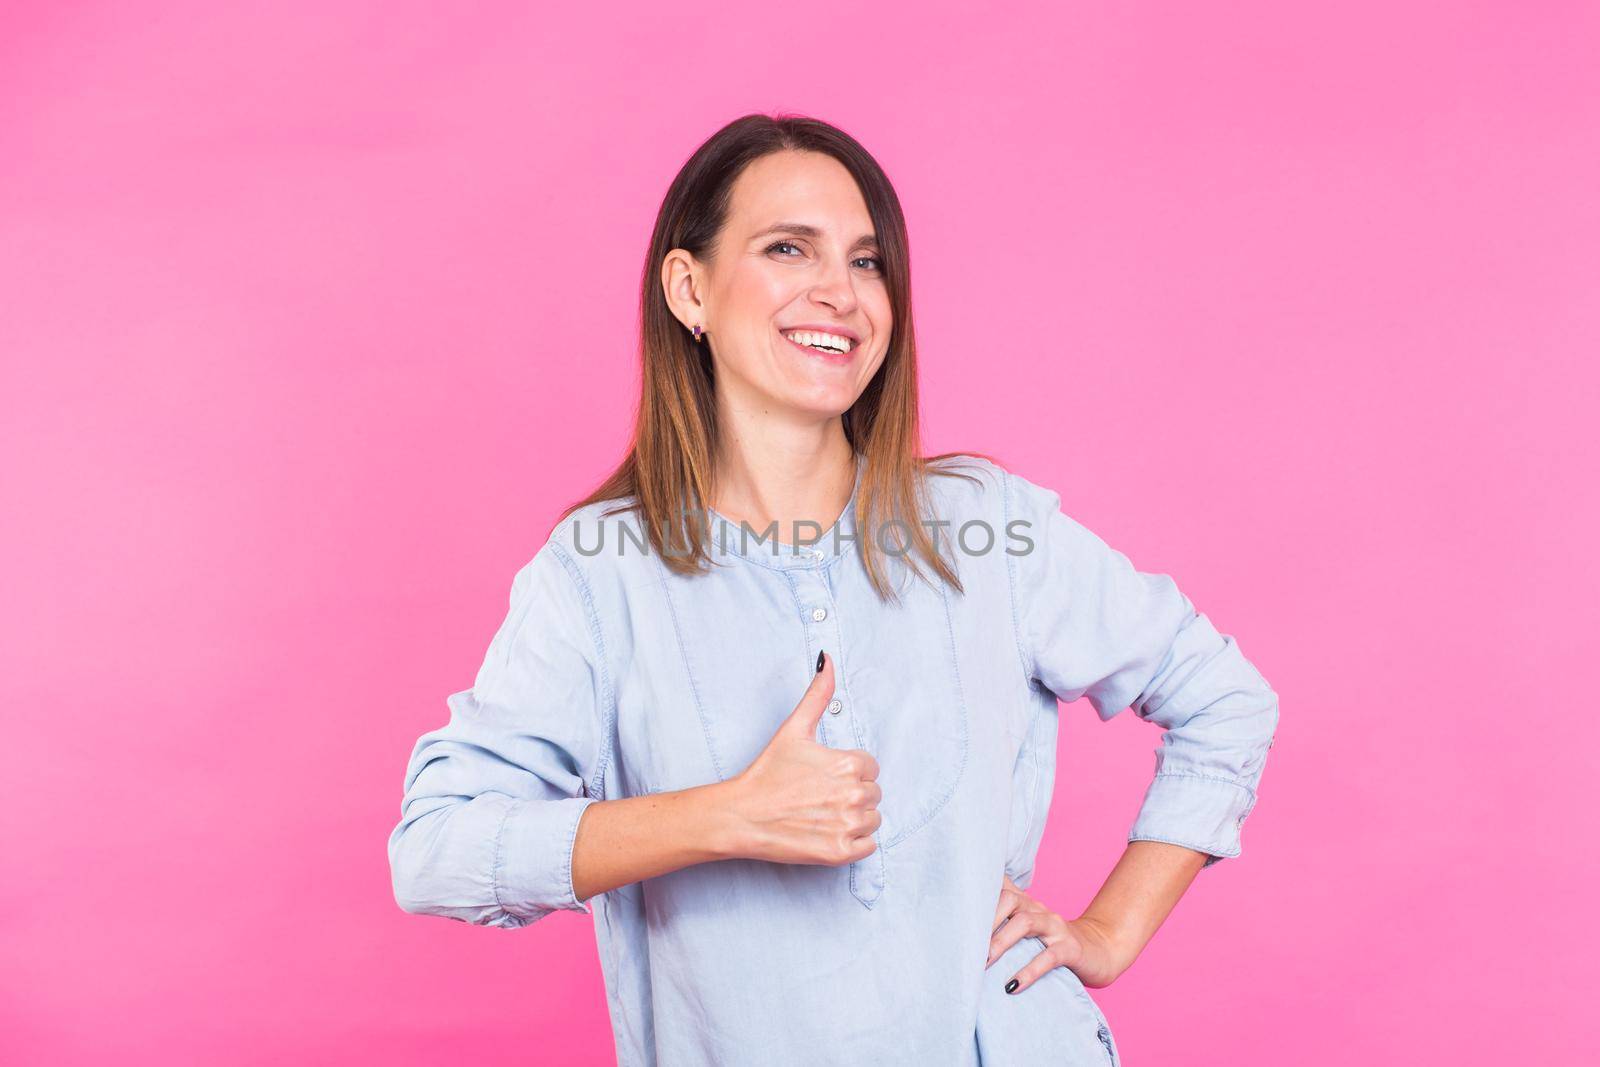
x=778 y=702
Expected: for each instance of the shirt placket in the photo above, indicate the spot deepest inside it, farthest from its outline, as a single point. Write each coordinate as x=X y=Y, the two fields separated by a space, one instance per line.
x=842 y=725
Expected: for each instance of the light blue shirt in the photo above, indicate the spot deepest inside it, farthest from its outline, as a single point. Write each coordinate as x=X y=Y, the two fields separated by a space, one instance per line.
x=612 y=676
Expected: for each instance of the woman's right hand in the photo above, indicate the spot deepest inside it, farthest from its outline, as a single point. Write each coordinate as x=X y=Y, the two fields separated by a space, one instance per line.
x=803 y=802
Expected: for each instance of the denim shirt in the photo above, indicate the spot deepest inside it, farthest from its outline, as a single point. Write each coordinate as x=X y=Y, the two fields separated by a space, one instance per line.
x=612 y=676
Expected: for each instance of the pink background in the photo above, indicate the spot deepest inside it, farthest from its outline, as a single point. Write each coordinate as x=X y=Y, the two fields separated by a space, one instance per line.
x=312 y=320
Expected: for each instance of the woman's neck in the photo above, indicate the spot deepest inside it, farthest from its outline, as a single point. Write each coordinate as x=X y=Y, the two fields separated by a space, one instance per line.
x=787 y=482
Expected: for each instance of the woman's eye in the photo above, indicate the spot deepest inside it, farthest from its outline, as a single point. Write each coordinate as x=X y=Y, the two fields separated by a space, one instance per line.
x=875 y=264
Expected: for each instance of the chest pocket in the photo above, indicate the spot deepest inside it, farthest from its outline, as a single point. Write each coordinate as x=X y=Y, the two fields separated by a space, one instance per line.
x=749 y=646
x=904 y=703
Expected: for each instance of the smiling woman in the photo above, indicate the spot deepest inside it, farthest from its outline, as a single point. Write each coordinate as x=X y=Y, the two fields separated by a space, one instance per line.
x=802 y=783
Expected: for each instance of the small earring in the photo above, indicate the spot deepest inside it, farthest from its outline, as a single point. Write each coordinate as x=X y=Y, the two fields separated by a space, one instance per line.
x=698 y=333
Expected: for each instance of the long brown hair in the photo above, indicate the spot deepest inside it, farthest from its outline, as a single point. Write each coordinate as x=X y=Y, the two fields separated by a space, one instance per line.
x=669 y=466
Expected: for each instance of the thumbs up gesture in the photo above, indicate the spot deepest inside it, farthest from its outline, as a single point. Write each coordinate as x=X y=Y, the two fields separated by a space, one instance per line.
x=803 y=802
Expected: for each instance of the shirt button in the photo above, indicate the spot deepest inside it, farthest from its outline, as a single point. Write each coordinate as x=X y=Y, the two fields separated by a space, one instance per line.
x=818 y=614
x=834 y=706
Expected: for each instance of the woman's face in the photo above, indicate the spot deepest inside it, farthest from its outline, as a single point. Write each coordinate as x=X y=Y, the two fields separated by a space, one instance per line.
x=797 y=254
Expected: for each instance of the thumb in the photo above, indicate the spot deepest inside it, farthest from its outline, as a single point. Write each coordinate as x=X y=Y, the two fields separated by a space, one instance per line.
x=802 y=722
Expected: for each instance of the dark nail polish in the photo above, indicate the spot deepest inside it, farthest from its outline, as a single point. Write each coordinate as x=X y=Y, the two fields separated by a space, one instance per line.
x=1011 y=986
x=819 y=662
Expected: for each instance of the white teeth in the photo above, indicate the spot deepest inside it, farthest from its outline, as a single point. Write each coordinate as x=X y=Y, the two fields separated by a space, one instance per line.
x=830 y=341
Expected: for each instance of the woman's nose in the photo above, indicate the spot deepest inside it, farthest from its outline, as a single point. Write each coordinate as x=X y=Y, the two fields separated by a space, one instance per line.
x=835 y=290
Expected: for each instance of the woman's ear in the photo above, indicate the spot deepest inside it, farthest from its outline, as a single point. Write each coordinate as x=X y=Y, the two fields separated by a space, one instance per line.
x=681 y=284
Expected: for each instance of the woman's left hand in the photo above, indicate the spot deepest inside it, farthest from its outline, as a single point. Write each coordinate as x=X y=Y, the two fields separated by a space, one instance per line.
x=1082 y=945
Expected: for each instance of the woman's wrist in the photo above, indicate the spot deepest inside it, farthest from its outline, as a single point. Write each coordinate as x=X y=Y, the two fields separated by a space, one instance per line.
x=725 y=832
x=1122 y=941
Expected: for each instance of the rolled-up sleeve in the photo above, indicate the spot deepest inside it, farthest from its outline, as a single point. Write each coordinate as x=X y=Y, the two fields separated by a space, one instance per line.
x=1090 y=624
x=492 y=800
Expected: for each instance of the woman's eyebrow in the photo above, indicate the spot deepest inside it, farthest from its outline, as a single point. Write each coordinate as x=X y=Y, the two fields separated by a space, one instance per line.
x=804 y=230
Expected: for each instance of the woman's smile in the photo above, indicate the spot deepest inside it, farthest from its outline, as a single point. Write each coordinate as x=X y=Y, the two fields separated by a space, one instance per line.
x=829 y=346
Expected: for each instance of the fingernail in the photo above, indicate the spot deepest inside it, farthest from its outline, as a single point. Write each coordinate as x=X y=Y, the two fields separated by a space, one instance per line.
x=1011 y=986
x=819 y=662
